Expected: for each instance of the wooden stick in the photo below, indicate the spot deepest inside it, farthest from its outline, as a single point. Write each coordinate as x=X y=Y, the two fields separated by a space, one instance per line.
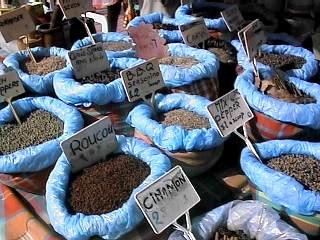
x=9 y=101
x=28 y=48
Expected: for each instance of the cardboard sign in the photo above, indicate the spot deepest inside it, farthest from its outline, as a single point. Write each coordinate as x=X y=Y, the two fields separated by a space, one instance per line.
x=90 y=145
x=148 y=42
x=16 y=23
x=10 y=85
x=233 y=17
x=88 y=60
x=194 y=32
x=254 y=37
x=241 y=38
x=141 y=80
x=167 y=199
x=74 y=8
x=229 y=112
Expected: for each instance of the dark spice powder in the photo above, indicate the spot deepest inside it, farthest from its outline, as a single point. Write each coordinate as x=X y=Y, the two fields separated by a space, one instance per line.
x=105 y=186
x=104 y=77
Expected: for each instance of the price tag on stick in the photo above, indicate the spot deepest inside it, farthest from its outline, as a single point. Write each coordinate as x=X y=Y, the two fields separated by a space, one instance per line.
x=11 y=86
x=16 y=23
x=230 y=112
x=88 y=60
x=233 y=18
x=142 y=80
x=74 y=8
x=167 y=199
x=194 y=32
x=90 y=145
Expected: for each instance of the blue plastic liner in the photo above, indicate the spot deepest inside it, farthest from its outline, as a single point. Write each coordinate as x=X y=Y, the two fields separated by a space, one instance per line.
x=300 y=114
x=207 y=67
x=109 y=225
x=306 y=72
x=32 y=82
x=184 y=12
x=175 y=137
x=276 y=185
x=245 y=216
x=35 y=158
x=171 y=36
x=108 y=37
x=71 y=91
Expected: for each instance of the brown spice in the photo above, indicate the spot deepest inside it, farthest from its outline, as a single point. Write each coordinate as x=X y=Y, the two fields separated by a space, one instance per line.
x=187 y=119
x=169 y=27
x=117 y=45
x=179 y=61
x=105 y=186
x=43 y=66
x=281 y=61
x=304 y=168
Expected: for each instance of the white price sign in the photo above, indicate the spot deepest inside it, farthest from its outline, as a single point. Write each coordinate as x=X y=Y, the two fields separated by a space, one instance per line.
x=233 y=17
x=194 y=32
x=143 y=79
x=90 y=145
x=167 y=199
x=88 y=60
x=16 y=23
x=10 y=85
x=229 y=112
x=74 y=8
x=254 y=37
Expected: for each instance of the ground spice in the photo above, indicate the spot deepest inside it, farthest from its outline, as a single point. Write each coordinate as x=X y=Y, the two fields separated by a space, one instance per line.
x=169 y=27
x=105 y=186
x=36 y=127
x=304 y=168
x=187 y=119
x=43 y=65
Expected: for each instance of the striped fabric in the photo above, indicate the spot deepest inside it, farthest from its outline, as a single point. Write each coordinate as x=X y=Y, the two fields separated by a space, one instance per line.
x=34 y=182
x=309 y=225
x=262 y=128
x=208 y=88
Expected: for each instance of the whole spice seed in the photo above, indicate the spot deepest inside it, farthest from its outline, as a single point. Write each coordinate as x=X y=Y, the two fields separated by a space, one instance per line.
x=43 y=66
x=105 y=186
x=179 y=61
x=170 y=27
x=117 y=45
x=304 y=168
x=37 y=127
x=281 y=61
x=187 y=119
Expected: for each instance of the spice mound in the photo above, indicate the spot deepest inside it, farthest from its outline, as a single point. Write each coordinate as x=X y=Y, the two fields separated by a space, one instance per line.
x=304 y=168
x=36 y=127
x=117 y=45
x=169 y=27
x=105 y=186
x=226 y=234
x=179 y=61
x=43 y=65
x=283 y=62
x=187 y=119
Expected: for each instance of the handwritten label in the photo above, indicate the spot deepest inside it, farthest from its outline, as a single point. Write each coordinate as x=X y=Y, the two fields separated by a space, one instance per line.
x=194 y=32
x=90 y=145
x=16 y=23
x=148 y=42
x=254 y=37
x=10 y=85
x=233 y=17
x=229 y=112
x=88 y=60
x=74 y=8
x=143 y=79
x=167 y=199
